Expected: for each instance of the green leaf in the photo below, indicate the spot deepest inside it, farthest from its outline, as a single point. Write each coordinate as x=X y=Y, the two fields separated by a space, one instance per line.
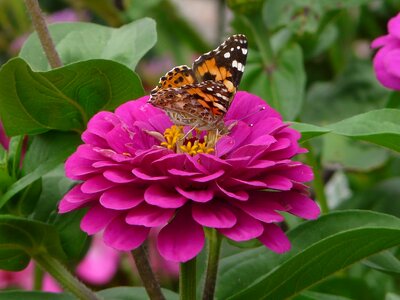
x=351 y=154
x=21 y=238
x=310 y=295
x=392 y=296
x=385 y=262
x=298 y=15
x=64 y=98
x=74 y=241
x=380 y=127
x=46 y=152
x=34 y=295
x=283 y=86
x=354 y=91
x=82 y=41
x=133 y=293
x=309 y=131
x=319 y=249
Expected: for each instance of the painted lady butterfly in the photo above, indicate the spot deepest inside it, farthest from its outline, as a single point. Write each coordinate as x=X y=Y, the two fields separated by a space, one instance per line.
x=200 y=96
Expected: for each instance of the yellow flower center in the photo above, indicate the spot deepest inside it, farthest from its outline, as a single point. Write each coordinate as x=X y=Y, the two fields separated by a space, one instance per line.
x=192 y=143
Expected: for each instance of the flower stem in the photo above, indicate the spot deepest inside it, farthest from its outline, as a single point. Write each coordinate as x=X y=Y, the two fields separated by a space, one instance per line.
x=318 y=183
x=37 y=278
x=39 y=23
x=67 y=280
x=214 y=240
x=146 y=274
x=187 y=280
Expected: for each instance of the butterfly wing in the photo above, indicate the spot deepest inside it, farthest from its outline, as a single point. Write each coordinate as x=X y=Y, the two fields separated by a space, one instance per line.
x=225 y=63
x=200 y=104
x=175 y=78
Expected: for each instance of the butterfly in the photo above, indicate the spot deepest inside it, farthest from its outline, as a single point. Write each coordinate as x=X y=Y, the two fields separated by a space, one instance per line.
x=200 y=96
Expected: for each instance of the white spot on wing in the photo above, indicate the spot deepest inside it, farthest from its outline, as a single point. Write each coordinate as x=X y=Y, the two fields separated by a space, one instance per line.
x=227 y=55
x=244 y=51
x=235 y=64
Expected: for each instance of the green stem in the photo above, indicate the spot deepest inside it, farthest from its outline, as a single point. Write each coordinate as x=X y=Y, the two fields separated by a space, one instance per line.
x=318 y=183
x=187 y=280
x=146 y=274
x=65 y=278
x=39 y=23
x=214 y=240
x=37 y=278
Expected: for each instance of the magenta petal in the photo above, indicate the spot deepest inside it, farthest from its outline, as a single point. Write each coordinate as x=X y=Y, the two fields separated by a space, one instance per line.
x=182 y=172
x=140 y=174
x=246 y=228
x=163 y=197
x=274 y=238
x=182 y=239
x=149 y=215
x=124 y=237
x=96 y=184
x=214 y=215
x=302 y=206
x=239 y=195
x=122 y=197
x=209 y=177
x=278 y=182
x=97 y=218
x=75 y=195
x=118 y=176
x=262 y=209
x=196 y=195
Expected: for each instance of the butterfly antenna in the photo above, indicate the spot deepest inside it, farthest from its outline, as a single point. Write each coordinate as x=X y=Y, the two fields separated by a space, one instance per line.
x=189 y=132
x=262 y=108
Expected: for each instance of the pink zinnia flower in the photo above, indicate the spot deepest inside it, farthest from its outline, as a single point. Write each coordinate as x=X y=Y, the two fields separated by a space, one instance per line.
x=387 y=59
x=135 y=178
x=100 y=263
x=24 y=280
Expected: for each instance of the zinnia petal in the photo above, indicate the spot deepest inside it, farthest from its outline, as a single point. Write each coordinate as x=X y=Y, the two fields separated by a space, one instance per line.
x=182 y=239
x=274 y=238
x=124 y=237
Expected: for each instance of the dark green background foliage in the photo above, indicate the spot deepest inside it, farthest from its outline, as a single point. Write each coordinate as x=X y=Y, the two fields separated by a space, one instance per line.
x=309 y=59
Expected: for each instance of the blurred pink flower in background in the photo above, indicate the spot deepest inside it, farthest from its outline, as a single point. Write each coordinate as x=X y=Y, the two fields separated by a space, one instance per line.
x=387 y=59
x=24 y=280
x=4 y=140
x=100 y=263
x=131 y=184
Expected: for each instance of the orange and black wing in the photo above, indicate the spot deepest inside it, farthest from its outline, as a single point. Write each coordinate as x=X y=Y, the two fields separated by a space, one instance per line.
x=225 y=63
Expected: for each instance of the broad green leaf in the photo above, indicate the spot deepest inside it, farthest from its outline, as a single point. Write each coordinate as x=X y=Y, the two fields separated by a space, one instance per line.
x=319 y=249
x=64 y=98
x=392 y=296
x=385 y=262
x=34 y=295
x=54 y=187
x=283 y=86
x=377 y=197
x=298 y=15
x=21 y=238
x=380 y=127
x=302 y=15
x=48 y=145
x=82 y=41
x=133 y=293
x=310 y=295
x=47 y=151
x=74 y=241
x=309 y=131
x=354 y=91
x=351 y=154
